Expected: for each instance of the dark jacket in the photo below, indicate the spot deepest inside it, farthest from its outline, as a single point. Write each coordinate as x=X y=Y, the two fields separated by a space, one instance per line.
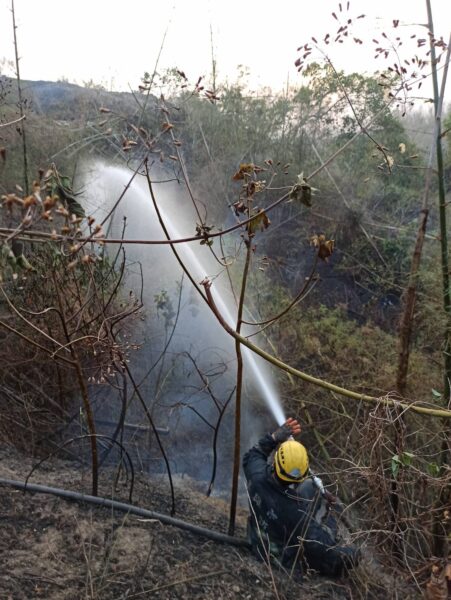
x=284 y=519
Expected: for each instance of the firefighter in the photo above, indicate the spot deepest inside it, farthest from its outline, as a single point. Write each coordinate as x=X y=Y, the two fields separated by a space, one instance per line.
x=290 y=521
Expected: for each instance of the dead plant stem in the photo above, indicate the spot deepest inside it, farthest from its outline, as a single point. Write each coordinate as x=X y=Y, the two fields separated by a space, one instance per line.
x=21 y=102
x=239 y=388
x=84 y=394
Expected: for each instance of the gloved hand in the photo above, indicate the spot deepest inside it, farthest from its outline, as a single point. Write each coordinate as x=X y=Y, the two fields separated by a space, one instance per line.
x=330 y=497
x=290 y=428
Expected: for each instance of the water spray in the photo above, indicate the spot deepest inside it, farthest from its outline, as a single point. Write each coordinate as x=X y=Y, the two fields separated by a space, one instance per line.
x=261 y=379
x=198 y=268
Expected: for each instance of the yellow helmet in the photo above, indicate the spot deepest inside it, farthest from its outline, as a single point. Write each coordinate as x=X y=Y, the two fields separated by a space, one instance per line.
x=291 y=462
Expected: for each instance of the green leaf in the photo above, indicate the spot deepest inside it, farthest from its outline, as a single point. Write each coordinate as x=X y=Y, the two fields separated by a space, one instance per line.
x=23 y=263
x=401 y=460
x=73 y=205
x=62 y=186
x=395 y=464
x=433 y=469
x=65 y=182
x=406 y=458
x=435 y=393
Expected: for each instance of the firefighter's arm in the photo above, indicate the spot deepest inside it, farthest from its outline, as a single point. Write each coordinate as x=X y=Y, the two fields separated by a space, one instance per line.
x=255 y=460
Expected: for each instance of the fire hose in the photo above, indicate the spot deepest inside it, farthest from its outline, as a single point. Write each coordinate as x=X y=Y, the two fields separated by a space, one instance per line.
x=126 y=508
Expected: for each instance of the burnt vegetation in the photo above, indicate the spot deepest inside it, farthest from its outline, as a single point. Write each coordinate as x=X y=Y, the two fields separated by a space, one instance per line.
x=326 y=210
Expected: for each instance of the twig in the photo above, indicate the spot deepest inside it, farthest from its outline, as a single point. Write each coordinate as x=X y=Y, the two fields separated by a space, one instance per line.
x=180 y=581
x=346 y=203
x=12 y=122
x=21 y=102
x=155 y=431
x=299 y=296
x=239 y=387
x=215 y=441
x=83 y=391
x=32 y=342
x=82 y=437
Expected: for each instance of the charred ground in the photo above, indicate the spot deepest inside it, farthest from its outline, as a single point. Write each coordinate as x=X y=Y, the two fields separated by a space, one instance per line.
x=59 y=550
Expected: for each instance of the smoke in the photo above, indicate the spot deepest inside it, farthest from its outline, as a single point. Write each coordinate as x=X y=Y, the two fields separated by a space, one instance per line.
x=186 y=364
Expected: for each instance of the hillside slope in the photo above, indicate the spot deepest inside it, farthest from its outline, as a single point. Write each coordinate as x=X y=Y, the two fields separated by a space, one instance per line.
x=58 y=550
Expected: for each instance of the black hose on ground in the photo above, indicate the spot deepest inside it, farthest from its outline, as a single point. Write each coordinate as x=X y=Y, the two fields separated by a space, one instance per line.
x=128 y=508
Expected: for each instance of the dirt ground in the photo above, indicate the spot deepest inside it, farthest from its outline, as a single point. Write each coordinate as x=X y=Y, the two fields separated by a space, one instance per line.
x=54 y=549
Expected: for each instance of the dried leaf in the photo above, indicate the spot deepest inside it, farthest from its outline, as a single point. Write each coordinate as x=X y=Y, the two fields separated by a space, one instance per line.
x=29 y=201
x=437 y=586
x=302 y=191
x=87 y=259
x=260 y=222
x=250 y=189
x=402 y=148
x=325 y=247
x=12 y=199
x=239 y=207
x=98 y=232
x=245 y=169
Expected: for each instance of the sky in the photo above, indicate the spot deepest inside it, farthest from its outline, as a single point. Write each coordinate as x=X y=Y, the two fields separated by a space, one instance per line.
x=114 y=43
